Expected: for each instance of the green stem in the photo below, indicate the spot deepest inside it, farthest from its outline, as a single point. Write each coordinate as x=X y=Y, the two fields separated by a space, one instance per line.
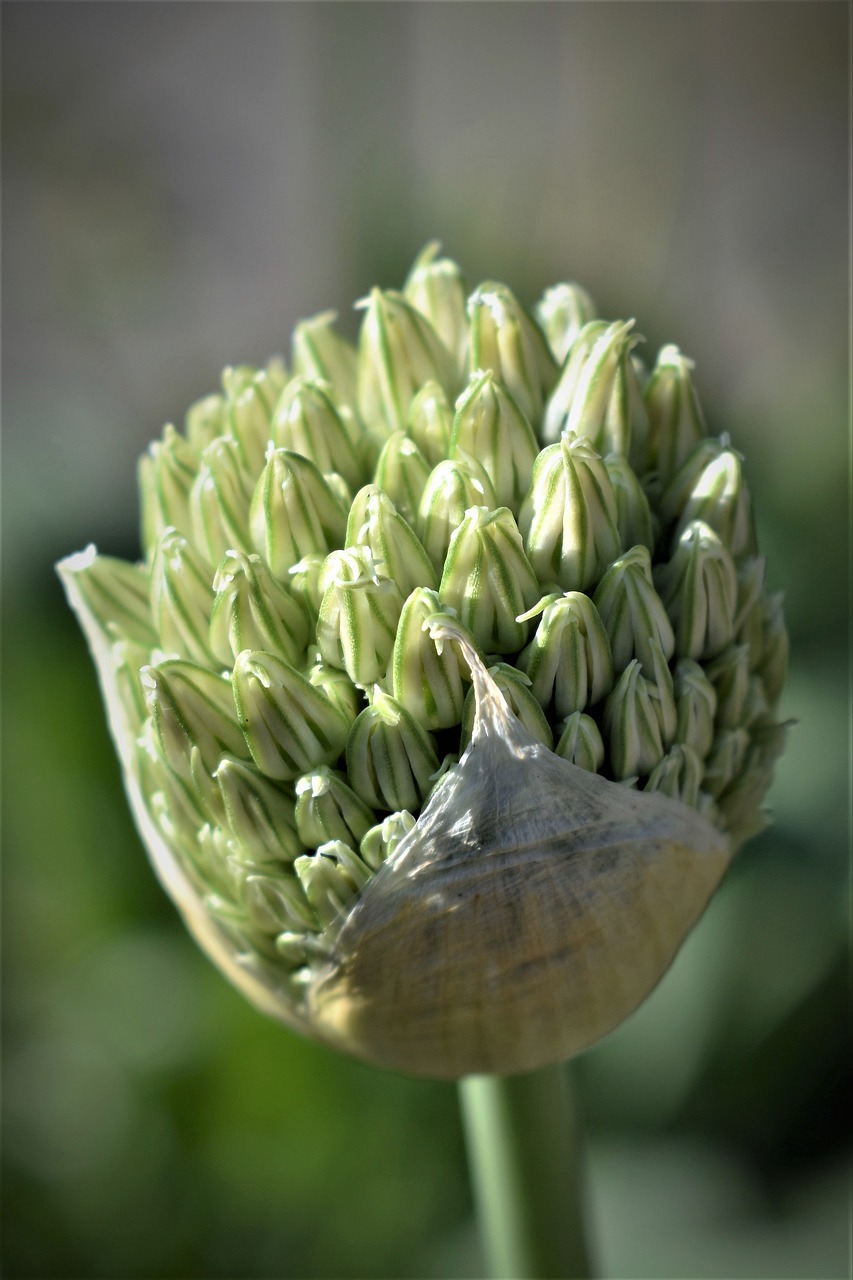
x=523 y=1150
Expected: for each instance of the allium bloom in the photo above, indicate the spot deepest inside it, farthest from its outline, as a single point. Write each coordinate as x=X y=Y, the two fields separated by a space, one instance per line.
x=450 y=662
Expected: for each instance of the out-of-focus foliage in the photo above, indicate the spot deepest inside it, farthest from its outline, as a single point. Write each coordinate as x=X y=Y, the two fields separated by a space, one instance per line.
x=183 y=183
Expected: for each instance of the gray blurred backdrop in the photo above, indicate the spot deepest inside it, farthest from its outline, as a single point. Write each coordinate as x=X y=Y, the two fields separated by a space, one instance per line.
x=182 y=183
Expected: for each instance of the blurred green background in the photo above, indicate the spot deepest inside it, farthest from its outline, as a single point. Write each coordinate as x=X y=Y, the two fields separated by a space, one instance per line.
x=182 y=182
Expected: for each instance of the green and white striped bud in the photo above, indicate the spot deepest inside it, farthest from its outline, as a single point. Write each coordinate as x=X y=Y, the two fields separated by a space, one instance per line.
x=390 y=756
x=436 y=288
x=399 y=352
x=116 y=593
x=632 y=611
x=380 y=841
x=676 y=423
x=321 y=354
x=632 y=723
x=430 y=424
x=252 y=610
x=181 y=597
x=166 y=475
x=358 y=615
x=219 y=501
x=402 y=472
x=490 y=427
x=562 y=312
x=719 y=497
x=205 y=420
x=332 y=878
x=293 y=513
x=678 y=775
x=306 y=422
x=568 y=660
x=634 y=521
x=426 y=675
x=288 y=723
x=192 y=707
x=598 y=396
x=361 y=821
x=581 y=743
x=327 y=808
x=698 y=587
x=518 y=696
x=488 y=580
x=726 y=760
x=695 y=705
x=568 y=519
x=250 y=397
x=451 y=489
x=259 y=814
x=505 y=339
x=375 y=523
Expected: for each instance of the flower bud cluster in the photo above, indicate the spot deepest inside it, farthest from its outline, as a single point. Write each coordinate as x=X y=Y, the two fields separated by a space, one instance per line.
x=282 y=702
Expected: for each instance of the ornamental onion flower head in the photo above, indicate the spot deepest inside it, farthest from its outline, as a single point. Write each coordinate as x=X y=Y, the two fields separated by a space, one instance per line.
x=446 y=686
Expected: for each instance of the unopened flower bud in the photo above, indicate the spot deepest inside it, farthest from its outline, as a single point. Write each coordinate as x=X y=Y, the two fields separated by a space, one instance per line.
x=117 y=593
x=426 y=675
x=720 y=498
x=327 y=808
x=380 y=841
x=581 y=743
x=451 y=489
x=375 y=523
x=504 y=338
x=307 y=422
x=259 y=815
x=331 y=878
x=436 y=288
x=430 y=424
x=402 y=472
x=219 y=501
x=568 y=519
x=678 y=775
x=633 y=515
x=191 y=706
x=166 y=475
x=562 y=312
x=488 y=580
x=181 y=597
x=676 y=494
x=205 y=420
x=695 y=705
x=490 y=426
x=597 y=396
x=399 y=352
x=289 y=725
x=568 y=660
x=390 y=756
x=250 y=397
x=632 y=611
x=321 y=354
x=519 y=697
x=275 y=903
x=729 y=674
x=635 y=716
x=358 y=615
x=698 y=586
x=303 y=580
x=725 y=760
x=293 y=513
x=252 y=610
x=676 y=424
